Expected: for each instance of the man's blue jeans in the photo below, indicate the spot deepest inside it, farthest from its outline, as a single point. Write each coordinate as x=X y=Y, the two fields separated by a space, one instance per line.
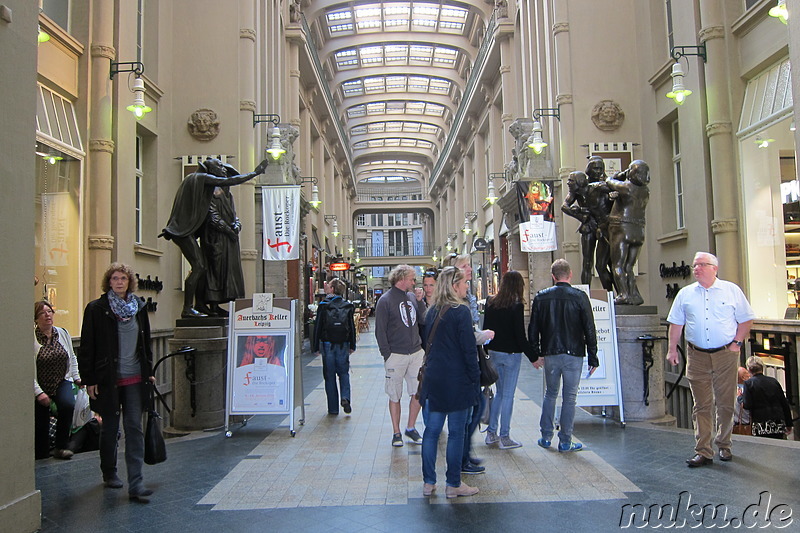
x=557 y=368
x=507 y=365
x=336 y=362
x=434 y=422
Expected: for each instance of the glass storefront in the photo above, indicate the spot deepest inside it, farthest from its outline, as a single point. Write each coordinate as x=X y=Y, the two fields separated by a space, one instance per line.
x=57 y=248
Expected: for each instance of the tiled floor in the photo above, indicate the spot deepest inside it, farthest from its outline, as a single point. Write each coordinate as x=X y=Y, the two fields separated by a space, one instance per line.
x=340 y=474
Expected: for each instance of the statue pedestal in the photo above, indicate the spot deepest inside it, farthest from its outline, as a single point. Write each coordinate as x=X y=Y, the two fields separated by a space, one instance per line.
x=209 y=337
x=633 y=322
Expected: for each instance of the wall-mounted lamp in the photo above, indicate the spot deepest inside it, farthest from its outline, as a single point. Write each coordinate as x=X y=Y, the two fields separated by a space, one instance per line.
x=139 y=108
x=678 y=52
x=546 y=112
x=448 y=245
x=763 y=143
x=792 y=126
x=349 y=239
x=469 y=216
x=780 y=12
x=536 y=143
x=433 y=257
x=491 y=195
x=679 y=92
x=315 y=201
x=276 y=150
x=335 y=231
x=358 y=260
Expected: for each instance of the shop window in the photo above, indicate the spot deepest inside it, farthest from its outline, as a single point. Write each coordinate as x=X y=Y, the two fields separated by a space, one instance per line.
x=57 y=274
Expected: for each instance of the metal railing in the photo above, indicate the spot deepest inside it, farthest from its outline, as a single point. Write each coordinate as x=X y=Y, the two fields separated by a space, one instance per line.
x=382 y=249
x=160 y=345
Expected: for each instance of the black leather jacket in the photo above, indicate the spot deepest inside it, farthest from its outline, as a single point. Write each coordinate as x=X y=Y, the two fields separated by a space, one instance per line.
x=562 y=322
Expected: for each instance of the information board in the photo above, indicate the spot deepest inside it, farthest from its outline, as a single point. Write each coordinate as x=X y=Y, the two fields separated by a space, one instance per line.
x=602 y=388
x=261 y=356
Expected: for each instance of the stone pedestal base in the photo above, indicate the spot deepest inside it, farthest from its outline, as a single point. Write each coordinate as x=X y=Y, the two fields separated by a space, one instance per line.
x=632 y=322
x=208 y=336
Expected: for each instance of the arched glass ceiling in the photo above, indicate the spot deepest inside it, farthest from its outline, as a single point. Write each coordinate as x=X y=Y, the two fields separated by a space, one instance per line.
x=396 y=108
x=397 y=71
x=388 y=179
x=399 y=83
x=386 y=16
x=395 y=127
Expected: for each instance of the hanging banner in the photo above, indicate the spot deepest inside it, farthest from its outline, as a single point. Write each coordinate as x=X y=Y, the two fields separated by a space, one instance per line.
x=281 y=216
x=535 y=201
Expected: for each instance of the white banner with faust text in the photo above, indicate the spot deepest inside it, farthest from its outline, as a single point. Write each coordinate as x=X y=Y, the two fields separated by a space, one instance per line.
x=281 y=214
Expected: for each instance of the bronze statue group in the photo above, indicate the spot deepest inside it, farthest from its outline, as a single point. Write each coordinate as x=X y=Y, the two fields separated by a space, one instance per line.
x=611 y=212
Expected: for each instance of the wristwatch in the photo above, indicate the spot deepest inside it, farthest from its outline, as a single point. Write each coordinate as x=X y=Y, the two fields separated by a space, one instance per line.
x=737 y=343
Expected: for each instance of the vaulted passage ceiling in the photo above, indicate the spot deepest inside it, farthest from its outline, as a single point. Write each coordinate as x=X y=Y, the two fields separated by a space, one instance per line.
x=397 y=71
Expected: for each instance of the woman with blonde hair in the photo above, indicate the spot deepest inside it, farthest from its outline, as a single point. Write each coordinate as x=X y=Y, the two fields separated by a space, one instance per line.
x=451 y=386
x=116 y=364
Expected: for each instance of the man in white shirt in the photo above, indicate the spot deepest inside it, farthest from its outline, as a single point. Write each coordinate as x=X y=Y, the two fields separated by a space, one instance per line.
x=717 y=318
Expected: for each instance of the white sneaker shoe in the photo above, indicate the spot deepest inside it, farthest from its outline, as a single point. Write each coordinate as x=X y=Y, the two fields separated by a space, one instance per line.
x=491 y=438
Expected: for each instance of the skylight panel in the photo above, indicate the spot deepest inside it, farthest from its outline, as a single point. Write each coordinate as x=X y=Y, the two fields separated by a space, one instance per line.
x=375 y=108
x=358 y=130
x=339 y=15
x=339 y=28
x=424 y=23
x=369 y=24
x=362 y=12
x=396 y=9
x=357 y=111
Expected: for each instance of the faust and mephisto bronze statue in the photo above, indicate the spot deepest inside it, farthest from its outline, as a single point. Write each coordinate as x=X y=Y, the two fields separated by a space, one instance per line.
x=188 y=218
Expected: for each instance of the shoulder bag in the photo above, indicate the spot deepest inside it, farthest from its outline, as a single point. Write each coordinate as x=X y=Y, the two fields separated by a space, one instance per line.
x=489 y=375
x=421 y=372
x=155 y=449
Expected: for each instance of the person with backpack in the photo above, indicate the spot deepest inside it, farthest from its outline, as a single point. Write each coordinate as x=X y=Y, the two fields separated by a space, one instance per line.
x=335 y=338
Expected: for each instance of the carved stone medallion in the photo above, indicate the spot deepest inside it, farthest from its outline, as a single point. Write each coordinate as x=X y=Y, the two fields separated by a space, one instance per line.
x=607 y=115
x=203 y=124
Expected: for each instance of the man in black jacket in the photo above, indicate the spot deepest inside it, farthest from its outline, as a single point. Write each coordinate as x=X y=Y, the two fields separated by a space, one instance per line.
x=562 y=332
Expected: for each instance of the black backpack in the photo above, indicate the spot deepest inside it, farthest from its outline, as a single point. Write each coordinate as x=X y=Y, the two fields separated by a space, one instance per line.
x=338 y=323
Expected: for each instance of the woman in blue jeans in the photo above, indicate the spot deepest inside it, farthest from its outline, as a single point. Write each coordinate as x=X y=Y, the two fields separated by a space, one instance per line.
x=505 y=316
x=451 y=385
x=335 y=337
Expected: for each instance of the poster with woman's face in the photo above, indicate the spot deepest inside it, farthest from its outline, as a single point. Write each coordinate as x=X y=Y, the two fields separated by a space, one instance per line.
x=261 y=350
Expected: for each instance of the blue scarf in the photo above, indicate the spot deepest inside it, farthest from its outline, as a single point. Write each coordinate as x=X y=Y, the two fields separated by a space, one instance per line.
x=124 y=309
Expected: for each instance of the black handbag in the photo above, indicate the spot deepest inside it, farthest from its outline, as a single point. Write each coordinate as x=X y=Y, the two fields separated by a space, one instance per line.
x=155 y=449
x=489 y=375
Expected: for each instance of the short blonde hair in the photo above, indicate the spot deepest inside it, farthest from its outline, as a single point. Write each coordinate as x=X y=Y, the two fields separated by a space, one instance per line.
x=105 y=285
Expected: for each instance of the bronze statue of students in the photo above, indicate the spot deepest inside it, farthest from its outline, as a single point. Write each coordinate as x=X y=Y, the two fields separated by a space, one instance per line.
x=189 y=211
x=626 y=228
x=588 y=201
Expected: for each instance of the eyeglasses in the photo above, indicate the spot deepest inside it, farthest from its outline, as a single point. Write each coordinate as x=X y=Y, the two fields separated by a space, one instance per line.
x=695 y=265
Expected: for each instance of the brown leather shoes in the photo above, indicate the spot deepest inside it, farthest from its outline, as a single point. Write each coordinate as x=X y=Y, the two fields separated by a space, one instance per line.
x=725 y=454
x=698 y=460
